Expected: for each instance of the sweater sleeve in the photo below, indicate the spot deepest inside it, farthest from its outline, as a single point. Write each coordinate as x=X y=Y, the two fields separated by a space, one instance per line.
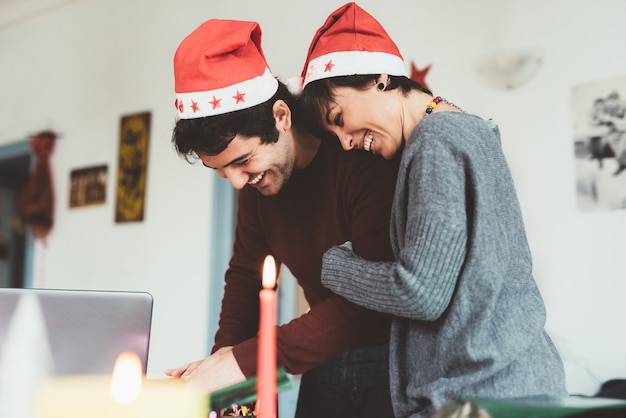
x=430 y=230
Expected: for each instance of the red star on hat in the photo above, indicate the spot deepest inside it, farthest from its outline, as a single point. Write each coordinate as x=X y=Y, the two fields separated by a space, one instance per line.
x=239 y=97
x=215 y=102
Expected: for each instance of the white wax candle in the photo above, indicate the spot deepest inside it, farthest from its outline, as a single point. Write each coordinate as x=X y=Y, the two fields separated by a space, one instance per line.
x=125 y=394
x=90 y=396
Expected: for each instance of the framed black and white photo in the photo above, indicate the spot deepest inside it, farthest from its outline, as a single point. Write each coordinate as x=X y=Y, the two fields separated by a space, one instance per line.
x=599 y=136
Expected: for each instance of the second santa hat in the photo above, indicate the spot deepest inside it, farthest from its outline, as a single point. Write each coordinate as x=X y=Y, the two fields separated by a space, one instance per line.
x=350 y=42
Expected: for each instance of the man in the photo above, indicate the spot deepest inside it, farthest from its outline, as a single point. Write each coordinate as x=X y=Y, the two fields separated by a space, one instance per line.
x=299 y=195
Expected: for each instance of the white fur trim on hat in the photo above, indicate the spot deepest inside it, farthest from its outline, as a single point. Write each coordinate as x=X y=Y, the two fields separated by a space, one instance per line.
x=239 y=96
x=354 y=62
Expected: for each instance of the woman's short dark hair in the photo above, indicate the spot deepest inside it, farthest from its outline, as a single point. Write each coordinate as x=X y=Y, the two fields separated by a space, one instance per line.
x=317 y=96
x=210 y=135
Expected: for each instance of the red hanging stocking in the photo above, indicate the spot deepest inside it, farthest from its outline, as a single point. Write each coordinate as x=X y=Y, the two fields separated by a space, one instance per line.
x=35 y=203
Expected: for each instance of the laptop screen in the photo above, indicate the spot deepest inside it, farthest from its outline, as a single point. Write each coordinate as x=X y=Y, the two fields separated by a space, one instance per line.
x=86 y=329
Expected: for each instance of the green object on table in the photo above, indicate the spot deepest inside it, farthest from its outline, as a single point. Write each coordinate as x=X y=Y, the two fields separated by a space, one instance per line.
x=244 y=392
x=552 y=407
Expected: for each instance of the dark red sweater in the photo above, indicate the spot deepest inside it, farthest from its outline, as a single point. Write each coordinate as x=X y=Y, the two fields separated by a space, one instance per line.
x=340 y=196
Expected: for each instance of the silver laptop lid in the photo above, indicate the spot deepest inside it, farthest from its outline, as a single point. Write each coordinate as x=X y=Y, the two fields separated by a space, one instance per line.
x=87 y=329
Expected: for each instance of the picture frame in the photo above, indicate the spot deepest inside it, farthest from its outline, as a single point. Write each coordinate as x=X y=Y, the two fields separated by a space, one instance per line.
x=134 y=139
x=88 y=186
x=599 y=139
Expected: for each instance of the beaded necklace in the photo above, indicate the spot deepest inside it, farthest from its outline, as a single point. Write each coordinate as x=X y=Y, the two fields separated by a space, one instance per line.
x=432 y=105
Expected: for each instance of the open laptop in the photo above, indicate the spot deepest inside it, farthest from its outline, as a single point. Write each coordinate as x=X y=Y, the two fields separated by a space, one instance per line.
x=87 y=329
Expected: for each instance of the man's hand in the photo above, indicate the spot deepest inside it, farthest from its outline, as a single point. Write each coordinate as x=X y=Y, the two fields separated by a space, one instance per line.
x=214 y=372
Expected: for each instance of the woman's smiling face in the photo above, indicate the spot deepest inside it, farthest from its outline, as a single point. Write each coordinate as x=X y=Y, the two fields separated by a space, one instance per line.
x=369 y=120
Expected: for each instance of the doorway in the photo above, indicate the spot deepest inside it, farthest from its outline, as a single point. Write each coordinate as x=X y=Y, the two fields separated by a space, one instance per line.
x=16 y=245
x=290 y=298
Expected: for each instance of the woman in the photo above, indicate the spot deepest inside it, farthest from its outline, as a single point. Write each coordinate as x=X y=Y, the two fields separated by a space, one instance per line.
x=469 y=318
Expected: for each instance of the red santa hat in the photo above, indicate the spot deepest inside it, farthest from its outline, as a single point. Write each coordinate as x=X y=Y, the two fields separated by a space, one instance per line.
x=219 y=68
x=350 y=42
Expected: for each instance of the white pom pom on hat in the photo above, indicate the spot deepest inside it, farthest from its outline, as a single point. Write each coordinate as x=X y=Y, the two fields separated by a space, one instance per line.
x=294 y=85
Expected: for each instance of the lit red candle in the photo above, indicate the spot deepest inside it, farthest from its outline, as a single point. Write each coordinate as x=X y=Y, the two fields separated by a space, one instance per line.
x=266 y=357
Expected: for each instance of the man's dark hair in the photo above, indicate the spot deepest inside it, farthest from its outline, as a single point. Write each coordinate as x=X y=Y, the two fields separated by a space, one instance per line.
x=210 y=135
x=317 y=96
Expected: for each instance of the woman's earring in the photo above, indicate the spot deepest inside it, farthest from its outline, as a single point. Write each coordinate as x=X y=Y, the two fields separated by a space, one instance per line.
x=381 y=86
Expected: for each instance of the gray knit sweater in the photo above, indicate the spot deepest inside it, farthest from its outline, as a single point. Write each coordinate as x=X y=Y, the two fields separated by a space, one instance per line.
x=469 y=316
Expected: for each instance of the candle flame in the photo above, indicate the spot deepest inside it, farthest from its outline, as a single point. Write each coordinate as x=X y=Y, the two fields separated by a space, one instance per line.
x=127 y=377
x=269 y=273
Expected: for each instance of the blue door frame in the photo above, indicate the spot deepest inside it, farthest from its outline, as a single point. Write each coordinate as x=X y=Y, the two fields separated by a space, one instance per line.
x=8 y=152
x=222 y=236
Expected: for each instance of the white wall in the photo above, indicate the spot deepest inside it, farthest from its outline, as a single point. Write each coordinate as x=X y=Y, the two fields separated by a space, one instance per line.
x=79 y=65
